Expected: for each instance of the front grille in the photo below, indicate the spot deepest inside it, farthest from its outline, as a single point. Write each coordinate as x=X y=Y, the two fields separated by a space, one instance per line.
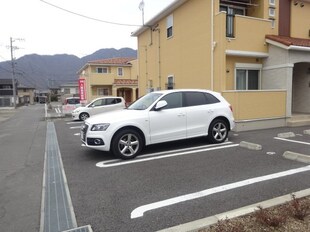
x=84 y=128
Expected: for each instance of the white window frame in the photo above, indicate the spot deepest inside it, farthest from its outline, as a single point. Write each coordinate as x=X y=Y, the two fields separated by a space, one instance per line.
x=170 y=77
x=169 y=25
x=105 y=91
x=272 y=2
x=120 y=71
x=272 y=12
x=103 y=68
x=248 y=66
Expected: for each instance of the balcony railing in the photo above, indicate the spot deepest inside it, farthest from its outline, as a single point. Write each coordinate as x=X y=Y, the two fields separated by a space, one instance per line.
x=6 y=92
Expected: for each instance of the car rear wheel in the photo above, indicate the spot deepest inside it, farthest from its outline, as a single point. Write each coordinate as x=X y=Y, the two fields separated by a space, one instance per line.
x=84 y=116
x=218 y=131
x=127 y=144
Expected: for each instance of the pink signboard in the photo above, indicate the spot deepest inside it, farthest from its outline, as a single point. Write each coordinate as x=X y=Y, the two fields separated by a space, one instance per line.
x=82 y=89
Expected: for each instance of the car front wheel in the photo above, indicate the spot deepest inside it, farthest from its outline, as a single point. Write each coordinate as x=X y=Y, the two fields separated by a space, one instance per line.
x=84 y=116
x=127 y=144
x=218 y=131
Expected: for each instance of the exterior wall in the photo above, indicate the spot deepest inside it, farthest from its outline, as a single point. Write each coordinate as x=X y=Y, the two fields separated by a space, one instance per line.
x=219 y=57
x=300 y=20
x=250 y=34
x=279 y=69
x=230 y=68
x=186 y=55
x=268 y=104
x=277 y=74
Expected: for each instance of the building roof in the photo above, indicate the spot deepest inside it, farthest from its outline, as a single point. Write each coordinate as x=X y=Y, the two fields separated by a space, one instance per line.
x=289 y=41
x=117 y=61
x=114 y=61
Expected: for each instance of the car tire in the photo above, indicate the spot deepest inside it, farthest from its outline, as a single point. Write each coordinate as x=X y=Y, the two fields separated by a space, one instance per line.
x=127 y=144
x=218 y=131
x=83 y=116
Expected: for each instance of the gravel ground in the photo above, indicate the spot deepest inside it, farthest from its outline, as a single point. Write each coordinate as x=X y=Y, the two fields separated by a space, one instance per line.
x=255 y=222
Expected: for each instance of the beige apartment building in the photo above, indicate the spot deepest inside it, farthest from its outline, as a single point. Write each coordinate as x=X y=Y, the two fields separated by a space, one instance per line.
x=255 y=52
x=110 y=77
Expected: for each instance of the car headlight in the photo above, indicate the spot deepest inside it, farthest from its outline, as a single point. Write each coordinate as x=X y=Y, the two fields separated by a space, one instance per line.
x=100 y=127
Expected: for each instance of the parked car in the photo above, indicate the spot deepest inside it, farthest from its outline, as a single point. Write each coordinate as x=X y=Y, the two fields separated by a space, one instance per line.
x=97 y=106
x=70 y=104
x=158 y=117
x=72 y=101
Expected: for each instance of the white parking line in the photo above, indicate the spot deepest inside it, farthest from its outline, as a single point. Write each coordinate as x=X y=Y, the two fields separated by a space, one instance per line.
x=77 y=122
x=77 y=134
x=292 y=141
x=75 y=127
x=155 y=156
x=138 y=212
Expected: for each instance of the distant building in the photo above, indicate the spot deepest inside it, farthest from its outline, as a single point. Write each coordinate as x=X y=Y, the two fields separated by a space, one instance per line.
x=6 y=93
x=70 y=89
x=114 y=76
x=26 y=95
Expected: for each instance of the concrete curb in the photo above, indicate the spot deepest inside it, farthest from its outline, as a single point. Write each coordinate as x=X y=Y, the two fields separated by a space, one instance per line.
x=297 y=157
x=286 y=135
x=251 y=146
x=206 y=222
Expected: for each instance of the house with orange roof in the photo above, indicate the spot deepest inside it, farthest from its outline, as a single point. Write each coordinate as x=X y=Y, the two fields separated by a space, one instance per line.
x=109 y=77
x=255 y=52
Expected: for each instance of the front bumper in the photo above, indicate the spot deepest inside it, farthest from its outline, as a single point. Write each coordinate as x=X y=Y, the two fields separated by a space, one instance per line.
x=94 y=139
x=75 y=116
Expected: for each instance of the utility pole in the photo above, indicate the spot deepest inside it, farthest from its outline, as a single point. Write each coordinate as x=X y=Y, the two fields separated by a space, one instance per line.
x=12 y=48
x=13 y=73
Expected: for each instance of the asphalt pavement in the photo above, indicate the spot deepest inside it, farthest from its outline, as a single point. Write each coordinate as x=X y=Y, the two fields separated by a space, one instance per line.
x=22 y=142
x=23 y=134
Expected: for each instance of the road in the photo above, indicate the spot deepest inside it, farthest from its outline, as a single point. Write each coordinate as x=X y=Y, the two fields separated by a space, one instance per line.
x=168 y=185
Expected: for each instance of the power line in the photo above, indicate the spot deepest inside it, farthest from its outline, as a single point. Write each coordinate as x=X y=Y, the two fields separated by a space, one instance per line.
x=91 y=18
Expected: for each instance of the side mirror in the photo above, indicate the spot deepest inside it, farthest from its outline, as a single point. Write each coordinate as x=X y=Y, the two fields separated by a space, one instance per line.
x=161 y=104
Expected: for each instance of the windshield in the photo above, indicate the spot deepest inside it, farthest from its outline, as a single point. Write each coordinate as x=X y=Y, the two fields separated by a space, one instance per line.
x=145 y=101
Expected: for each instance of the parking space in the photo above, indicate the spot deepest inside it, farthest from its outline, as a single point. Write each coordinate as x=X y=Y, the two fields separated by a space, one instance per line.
x=175 y=183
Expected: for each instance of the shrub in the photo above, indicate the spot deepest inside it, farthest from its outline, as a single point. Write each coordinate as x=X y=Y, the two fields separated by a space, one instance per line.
x=298 y=209
x=269 y=218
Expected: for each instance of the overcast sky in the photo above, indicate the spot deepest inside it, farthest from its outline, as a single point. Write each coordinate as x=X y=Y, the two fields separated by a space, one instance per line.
x=48 y=30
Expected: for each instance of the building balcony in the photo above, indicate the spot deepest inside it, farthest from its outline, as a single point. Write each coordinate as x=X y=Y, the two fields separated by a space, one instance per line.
x=248 y=34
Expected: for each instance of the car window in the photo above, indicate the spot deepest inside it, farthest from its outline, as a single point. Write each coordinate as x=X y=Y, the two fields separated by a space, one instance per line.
x=174 y=100
x=195 y=98
x=73 y=101
x=144 y=102
x=99 y=102
x=211 y=99
x=111 y=101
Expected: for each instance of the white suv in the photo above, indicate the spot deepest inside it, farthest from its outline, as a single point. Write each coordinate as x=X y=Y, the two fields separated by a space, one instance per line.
x=97 y=106
x=158 y=117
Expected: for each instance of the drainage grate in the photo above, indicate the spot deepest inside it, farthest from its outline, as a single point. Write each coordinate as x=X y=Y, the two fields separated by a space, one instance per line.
x=57 y=211
x=81 y=229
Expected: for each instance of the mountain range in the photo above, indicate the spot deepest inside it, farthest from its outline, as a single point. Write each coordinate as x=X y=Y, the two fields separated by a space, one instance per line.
x=49 y=71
